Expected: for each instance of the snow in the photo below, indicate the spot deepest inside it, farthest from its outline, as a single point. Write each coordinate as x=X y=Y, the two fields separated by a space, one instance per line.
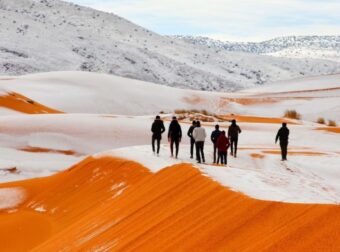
x=90 y=40
x=304 y=178
x=11 y=197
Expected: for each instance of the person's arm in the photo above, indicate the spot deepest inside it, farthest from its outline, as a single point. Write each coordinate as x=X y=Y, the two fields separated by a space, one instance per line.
x=228 y=143
x=239 y=129
x=204 y=133
x=190 y=132
x=277 y=135
x=194 y=134
x=162 y=128
x=180 y=132
x=153 y=127
x=169 y=131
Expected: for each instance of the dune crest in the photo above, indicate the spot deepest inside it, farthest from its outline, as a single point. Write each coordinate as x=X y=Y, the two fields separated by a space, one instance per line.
x=118 y=205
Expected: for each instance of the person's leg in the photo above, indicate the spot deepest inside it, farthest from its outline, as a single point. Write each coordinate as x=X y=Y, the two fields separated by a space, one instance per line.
x=172 y=147
x=192 y=143
x=198 y=152
x=225 y=157
x=282 y=151
x=215 y=150
x=285 y=151
x=235 y=147
x=153 y=143
x=202 y=152
x=177 y=146
x=218 y=158
x=158 y=145
x=231 y=146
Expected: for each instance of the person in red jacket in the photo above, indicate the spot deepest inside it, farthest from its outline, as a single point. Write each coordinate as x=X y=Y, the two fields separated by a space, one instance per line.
x=222 y=146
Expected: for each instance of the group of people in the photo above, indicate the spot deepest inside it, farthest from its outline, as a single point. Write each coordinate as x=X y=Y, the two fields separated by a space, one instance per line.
x=197 y=134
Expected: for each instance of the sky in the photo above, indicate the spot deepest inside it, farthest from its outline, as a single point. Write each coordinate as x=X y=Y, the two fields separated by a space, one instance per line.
x=233 y=20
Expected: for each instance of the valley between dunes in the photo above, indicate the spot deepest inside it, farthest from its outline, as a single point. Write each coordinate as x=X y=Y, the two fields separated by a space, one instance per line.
x=77 y=172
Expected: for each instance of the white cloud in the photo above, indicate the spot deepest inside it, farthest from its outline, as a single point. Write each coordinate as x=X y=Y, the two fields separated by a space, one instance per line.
x=233 y=19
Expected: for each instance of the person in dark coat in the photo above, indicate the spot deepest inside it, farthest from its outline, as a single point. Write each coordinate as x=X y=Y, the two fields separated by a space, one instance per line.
x=283 y=135
x=214 y=136
x=157 y=130
x=192 y=140
x=174 y=135
x=233 y=132
x=222 y=145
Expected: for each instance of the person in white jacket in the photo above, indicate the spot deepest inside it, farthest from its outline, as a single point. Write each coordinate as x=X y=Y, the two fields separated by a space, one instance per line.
x=199 y=135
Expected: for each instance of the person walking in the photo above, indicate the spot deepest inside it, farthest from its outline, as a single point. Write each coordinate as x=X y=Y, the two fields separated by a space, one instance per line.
x=233 y=132
x=199 y=136
x=283 y=135
x=214 y=136
x=174 y=135
x=222 y=144
x=192 y=140
x=157 y=130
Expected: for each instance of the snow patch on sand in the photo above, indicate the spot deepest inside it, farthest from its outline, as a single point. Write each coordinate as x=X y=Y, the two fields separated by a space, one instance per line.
x=11 y=197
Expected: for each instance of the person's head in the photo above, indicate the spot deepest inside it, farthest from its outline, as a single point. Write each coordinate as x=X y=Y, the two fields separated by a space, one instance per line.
x=223 y=133
x=158 y=117
x=233 y=122
x=174 y=118
x=193 y=123
x=198 y=124
x=217 y=127
x=284 y=125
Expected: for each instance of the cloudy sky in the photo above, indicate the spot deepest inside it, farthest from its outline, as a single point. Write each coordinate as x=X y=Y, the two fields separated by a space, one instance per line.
x=237 y=20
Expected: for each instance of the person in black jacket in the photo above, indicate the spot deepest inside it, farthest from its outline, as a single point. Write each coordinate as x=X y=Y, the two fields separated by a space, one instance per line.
x=214 y=136
x=174 y=135
x=192 y=140
x=233 y=132
x=283 y=135
x=157 y=130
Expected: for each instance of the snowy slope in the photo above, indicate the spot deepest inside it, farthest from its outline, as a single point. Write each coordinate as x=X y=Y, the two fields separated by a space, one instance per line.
x=50 y=35
x=80 y=92
x=314 y=47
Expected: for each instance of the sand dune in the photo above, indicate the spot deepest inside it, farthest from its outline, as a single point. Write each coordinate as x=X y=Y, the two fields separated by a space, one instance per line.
x=20 y=103
x=112 y=204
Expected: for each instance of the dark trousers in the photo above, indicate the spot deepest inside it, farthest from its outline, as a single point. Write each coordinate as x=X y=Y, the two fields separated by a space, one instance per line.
x=158 y=140
x=284 y=150
x=200 y=151
x=222 y=155
x=233 y=146
x=192 y=144
x=176 y=142
x=215 y=153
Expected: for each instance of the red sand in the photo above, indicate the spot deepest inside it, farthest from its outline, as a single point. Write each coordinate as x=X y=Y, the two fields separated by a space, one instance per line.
x=176 y=209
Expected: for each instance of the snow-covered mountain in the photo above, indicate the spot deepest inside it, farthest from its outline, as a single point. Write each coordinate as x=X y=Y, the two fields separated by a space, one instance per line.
x=51 y=35
x=318 y=47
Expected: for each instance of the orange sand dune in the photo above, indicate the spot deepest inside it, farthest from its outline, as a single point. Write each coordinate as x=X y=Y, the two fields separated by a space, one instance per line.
x=18 y=102
x=45 y=150
x=330 y=129
x=117 y=205
x=257 y=119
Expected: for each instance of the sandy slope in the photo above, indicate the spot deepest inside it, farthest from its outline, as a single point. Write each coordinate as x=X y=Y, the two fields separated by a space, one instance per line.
x=112 y=204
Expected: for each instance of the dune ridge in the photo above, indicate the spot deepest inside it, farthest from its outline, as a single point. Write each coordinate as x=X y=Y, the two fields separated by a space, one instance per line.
x=112 y=204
